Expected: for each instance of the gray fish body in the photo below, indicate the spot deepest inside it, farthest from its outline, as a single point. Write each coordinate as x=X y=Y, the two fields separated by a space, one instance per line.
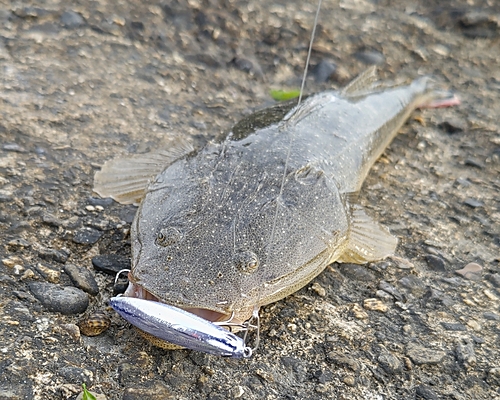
x=228 y=230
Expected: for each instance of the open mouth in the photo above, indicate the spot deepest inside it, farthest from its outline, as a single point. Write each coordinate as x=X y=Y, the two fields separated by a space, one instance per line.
x=134 y=290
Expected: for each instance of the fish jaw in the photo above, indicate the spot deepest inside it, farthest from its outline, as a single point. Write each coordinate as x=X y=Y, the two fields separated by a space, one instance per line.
x=180 y=327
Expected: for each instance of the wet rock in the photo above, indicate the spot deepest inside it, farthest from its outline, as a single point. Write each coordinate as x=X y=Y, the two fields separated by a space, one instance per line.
x=425 y=392
x=60 y=256
x=64 y=299
x=77 y=375
x=13 y=147
x=97 y=201
x=471 y=271
x=473 y=203
x=422 y=355
x=82 y=278
x=87 y=236
x=474 y=163
x=323 y=70
x=465 y=353
x=72 y=20
x=110 y=263
x=456 y=327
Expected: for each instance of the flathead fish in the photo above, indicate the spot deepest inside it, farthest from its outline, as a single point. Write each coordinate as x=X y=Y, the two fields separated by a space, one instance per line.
x=248 y=220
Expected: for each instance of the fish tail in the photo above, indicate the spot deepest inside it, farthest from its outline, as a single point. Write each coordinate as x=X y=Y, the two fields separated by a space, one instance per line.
x=432 y=94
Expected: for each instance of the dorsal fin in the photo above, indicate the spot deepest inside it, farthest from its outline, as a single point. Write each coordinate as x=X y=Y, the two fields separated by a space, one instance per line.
x=362 y=83
x=126 y=179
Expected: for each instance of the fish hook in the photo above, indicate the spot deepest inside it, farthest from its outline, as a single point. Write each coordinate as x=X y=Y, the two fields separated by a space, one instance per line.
x=117 y=276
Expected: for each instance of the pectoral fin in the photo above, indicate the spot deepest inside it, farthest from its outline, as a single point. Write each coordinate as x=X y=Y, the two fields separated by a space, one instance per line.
x=126 y=179
x=368 y=240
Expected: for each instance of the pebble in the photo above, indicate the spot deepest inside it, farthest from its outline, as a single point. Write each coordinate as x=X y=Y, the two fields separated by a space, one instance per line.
x=60 y=256
x=491 y=316
x=97 y=201
x=389 y=363
x=250 y=66
x=72 y=20
x=414 y=284
x=64 y=299
x=494 y=279
x=374 y=305
x=388 y=288
x=494 y=377
x=77 y=375
x=349 y=380
x=465 y=354
x=425 y=392
x=323 y=70
x=82 y=278
x=320 y=290
x=342 y=360
x=453 y=125
x=70 y=330
x=87 y=236
x=18 y=243
x=456 y=327
x=12 y=261
x=471 y=271
x=473 y=203
x=422 y=355
x=110 y=263
x=435 y=263
x=370 y=57
x=50 y=274
x=155 y=391
x=94 y=324
x=358 y=312
x=357 y=272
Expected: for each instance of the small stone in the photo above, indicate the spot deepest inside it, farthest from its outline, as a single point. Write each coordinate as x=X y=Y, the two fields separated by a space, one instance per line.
x=323 y=70
x=491 y=316
x=72 y=20
x=383 y=295
x=358 y=312
x=474 y=325
x=90 y=208
x=14 y=147
x=349 y=380
x=320 y=290
x=156 y=391
x=370 y=57
x=97 y=201
x=60 y=256
x=87 y=236
x=70 y=330
x=12 y=261
x=50 y=274
x=28 y=274
x=82 y=278
x=64 y=299
x=110 y=263
x=414 y=284
x=77 y=375
x=51 y=220
x=473 y=203
x=422 y=355
x=94 y=324
x=374 y=305
x=18 y=243
x=435 y=263
x=471 y=271
x=342 y=360
x=456 y=327
x=465 y=353
x=389 y=363
x=388 y=288
x=494 y=279
x=248 y=65
x=494 y=377
x=453 y=125
x=425 y=392
x=357 y=272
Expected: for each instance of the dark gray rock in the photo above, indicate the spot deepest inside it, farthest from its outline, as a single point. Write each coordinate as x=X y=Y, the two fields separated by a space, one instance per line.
x=494 y=279
x=357 y=272
x=87 y=236
x=435 y=263
x=82 y=278
x=456 y=327
x=77 y=375
x=473 y=203
x=491 y=316
x=370 y=57
x=110 y=263
x=97 y=201
x=60 y=256
x=389 y=362
x=72 y=20
x=323 y=70
x=63 y=299
x=425 y=392
x=465 y=353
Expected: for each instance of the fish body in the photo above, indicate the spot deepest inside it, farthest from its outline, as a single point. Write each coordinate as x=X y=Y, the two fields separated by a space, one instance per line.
x=246 y=221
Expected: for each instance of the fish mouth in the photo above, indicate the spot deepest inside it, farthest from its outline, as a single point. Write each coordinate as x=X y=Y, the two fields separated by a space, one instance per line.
x=137 y=291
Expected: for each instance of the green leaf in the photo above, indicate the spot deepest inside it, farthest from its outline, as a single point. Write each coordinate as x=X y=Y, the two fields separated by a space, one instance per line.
x=282 y=95
x=86 y=394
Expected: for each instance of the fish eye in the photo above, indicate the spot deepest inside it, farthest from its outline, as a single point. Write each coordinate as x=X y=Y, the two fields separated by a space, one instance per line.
x=246 y=261
x=168 y=236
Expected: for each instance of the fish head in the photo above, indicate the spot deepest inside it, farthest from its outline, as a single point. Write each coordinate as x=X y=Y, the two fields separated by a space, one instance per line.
x=219 y=250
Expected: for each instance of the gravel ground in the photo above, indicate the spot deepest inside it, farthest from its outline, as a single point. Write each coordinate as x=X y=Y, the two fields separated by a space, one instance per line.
x=83 y=82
